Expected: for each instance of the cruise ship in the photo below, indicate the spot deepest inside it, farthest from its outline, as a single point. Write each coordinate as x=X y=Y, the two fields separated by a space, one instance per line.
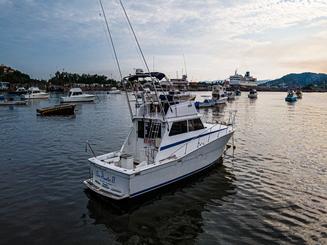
x=237 y=80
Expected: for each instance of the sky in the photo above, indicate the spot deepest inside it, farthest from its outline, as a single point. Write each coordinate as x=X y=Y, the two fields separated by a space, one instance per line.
x=269 y=38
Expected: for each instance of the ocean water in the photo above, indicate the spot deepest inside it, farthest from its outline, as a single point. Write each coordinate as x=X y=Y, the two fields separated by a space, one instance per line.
x=272 y=189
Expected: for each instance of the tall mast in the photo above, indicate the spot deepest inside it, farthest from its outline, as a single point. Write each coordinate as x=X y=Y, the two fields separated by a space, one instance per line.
x=116 y=58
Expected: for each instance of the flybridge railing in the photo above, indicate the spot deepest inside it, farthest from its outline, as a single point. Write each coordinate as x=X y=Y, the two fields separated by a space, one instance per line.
x=222 y=118
x=209 y=135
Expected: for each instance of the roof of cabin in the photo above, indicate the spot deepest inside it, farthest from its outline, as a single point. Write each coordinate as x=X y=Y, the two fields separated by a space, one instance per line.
x=75 y=90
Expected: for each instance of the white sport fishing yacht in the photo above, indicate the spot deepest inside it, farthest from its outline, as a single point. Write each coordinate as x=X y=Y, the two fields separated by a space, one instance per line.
x=35 y=93
x=167 y=142
x=77 y=95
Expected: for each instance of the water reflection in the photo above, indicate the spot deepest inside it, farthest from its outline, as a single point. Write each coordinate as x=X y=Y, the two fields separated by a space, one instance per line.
x=171 y=215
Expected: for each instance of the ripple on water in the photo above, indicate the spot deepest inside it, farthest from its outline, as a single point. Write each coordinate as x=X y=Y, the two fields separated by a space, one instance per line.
x=272 y=189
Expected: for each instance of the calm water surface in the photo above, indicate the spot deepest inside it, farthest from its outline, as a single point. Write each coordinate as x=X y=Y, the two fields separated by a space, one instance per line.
x=272 y=189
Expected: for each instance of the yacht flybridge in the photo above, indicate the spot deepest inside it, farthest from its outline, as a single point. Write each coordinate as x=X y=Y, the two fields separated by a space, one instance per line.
x=167 y=142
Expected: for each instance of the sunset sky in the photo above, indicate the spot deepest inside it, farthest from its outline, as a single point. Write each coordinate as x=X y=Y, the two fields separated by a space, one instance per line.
x=269 y=38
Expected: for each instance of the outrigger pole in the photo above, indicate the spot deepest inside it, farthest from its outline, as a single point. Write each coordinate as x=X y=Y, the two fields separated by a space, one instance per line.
x=116 y=58
x=144 y=60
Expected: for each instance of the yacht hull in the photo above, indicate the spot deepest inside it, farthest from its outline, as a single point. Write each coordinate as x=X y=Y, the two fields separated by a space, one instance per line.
x=116 y=185
x=77 y=99
x=39 y=96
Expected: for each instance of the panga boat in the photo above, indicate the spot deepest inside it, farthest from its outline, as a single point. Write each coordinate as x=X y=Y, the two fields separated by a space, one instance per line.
x=114 y=90
x=291 y=97
x=77 y=95
x=57 y=110
x=168 y=142
x=253 y=94
x=35 y=93
x=299 y=93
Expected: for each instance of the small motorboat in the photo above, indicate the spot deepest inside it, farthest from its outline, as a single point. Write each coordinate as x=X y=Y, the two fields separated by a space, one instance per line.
x=219 y=94
x=5 y=102
x=57 y=110
x=291 y=97
x=77 y=95
x=35 y=93
x=19 y=91
x=253 y=94
x=114 y=90
x=238 y=92
x=205 y=104
x=231 y=95
x=298 y=93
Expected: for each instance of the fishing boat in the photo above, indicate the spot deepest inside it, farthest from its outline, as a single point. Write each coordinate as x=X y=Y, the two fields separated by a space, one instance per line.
x=219 y=94
x=205 y=104
x=18 y=91
x=77 y=95
x=253 y=94
x=114 y=90
x=291 y=97
x=167 y=142
x=299 y=93
x=231 y=95
x=57 y=110
x=35 y=93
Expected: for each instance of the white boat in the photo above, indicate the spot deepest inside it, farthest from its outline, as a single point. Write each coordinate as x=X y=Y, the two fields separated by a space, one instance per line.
x=219 y=94
x=114 y=90
x=35 y=93
x=77 y=95
x=238 y=80
x=167 y=142
x=253 y=94
x=231 y=95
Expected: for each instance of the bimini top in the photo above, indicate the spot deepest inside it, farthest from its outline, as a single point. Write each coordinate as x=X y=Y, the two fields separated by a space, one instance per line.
x=137 y=76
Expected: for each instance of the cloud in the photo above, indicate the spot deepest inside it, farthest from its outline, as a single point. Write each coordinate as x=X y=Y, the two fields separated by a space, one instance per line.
x=215 y=36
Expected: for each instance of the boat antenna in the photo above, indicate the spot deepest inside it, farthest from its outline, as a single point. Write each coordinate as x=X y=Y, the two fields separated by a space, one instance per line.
x=116 y=57
x=143 y=57
x=185 y=65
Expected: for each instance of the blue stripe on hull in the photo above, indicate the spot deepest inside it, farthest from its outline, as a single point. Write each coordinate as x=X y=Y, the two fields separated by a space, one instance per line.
x=189 y=139
x=171 y=181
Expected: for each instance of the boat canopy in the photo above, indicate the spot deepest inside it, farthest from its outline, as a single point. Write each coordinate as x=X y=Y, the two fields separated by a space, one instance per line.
x=137 y=76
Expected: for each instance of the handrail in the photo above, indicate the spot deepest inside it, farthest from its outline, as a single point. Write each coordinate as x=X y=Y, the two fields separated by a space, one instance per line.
x=125 y=141
x=190 y=140
x=230 y=122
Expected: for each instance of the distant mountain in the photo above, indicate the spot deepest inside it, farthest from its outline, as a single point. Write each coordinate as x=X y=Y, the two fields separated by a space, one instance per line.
x=293 y=80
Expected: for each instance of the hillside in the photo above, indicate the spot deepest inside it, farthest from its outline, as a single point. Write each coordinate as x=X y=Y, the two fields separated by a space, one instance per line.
x=293 y=80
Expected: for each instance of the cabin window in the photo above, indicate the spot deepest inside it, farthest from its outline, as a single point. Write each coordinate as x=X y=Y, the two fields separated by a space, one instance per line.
x=140 y=129
x=178 y=128
x=195 y=124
